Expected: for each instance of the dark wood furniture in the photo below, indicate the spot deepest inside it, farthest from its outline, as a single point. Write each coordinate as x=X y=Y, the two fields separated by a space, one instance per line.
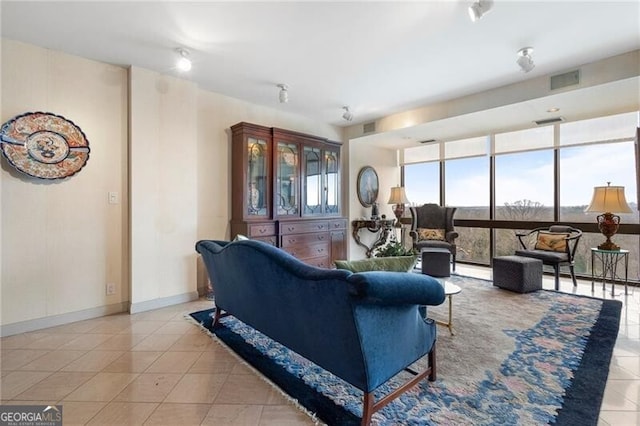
x=286 y=191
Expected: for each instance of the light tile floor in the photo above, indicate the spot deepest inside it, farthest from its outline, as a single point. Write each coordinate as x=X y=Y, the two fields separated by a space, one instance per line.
x=157 y=368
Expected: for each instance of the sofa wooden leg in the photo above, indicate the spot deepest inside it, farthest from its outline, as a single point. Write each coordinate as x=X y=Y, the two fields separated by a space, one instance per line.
x=369 y=404
x=367 y=408
x=219 y=314
x=432 y=363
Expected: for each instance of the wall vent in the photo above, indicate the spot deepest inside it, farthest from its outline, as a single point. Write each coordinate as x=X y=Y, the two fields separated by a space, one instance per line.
x=560 y=81
x=549 y=121
x=369 y=127
x=428 y=141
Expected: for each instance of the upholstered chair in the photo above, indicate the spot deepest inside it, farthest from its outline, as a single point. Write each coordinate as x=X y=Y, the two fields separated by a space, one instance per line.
x=433 y=226
x=555 y=246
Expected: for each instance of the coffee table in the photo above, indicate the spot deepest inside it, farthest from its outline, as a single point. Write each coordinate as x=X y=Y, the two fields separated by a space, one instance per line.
x=449 y=290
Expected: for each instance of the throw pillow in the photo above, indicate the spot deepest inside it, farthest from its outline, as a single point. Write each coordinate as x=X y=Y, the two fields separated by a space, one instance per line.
x=430 y=234
x=551 y=241
x=392 y=263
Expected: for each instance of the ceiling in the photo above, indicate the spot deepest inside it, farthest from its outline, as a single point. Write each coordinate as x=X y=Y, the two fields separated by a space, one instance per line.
x=379 y=58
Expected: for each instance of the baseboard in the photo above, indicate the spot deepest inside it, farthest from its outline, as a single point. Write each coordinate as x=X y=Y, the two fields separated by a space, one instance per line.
x=163 y=302
x=62 y=319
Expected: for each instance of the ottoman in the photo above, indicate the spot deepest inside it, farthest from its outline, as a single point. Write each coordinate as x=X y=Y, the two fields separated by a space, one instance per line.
x=517 y=273
x=435 y=262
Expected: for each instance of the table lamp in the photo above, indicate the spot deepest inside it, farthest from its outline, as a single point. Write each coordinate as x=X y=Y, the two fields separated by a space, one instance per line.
x=608 y=200
x=399 y=198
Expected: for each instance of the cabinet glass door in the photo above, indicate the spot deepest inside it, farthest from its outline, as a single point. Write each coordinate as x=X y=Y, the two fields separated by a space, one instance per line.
x=257 y=201
x=287 y=178
x=312 y=174
x=331 y=182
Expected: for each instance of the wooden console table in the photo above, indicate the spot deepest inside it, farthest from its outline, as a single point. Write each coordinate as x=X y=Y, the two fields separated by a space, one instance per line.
x=380 y=226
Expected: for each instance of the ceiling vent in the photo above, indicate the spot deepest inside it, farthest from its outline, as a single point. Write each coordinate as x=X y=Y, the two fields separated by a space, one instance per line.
x=369 y=127
x=428 y=141
x=549 y=121
x=567 y=79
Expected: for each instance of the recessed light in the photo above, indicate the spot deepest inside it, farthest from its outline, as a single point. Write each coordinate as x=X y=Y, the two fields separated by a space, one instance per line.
x=554 y=109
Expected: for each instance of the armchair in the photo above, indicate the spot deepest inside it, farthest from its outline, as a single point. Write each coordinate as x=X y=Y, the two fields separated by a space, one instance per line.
x=432 y=226
x=555 y=246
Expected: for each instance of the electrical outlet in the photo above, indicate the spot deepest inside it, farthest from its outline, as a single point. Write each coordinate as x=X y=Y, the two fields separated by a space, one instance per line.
x=111 y=289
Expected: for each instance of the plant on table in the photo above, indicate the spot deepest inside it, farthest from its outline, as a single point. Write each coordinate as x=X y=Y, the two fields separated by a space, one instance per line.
x=395 y=248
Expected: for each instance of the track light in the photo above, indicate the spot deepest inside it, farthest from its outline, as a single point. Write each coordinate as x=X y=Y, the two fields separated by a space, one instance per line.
x=479 y=8
x=525 y=61
x=184 y=63
x=284 y=93
x=348 y=115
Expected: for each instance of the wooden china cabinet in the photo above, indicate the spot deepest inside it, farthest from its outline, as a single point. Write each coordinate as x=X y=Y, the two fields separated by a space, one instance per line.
x=286 y=191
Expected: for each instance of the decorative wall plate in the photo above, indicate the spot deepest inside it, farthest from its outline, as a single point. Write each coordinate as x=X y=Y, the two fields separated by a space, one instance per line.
x=44 y=145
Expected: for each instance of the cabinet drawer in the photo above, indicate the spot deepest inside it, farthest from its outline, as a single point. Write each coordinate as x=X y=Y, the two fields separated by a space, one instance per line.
x=320 y=262
x=262 y=230
x=269 y=240
x=338 y=224
x=309 y=251
x=303 y=239
x=287 y=228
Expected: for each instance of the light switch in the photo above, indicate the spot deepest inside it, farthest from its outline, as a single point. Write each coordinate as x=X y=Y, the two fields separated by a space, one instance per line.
x=114 y=198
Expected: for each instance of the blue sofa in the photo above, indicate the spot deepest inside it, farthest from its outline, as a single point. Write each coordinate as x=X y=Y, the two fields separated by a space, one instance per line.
x=363 y=327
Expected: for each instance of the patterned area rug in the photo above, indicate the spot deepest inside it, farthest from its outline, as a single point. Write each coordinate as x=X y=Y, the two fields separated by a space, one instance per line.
x=532 y=359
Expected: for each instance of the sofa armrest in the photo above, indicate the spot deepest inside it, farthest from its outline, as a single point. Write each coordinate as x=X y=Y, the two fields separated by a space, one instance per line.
x=396 y=288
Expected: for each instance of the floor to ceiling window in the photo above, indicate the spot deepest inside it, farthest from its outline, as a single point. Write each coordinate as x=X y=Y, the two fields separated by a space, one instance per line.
x=529 y=166
x=422 y=174
x=593 y=153
x=467 y=188
x=524 y=188
x=422 y=183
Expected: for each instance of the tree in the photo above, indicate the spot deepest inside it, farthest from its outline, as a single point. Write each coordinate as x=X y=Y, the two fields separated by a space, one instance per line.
x=522 y=210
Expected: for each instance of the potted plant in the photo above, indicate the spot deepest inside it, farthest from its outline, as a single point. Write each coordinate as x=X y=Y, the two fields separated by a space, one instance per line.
x=393 y=256
x=394 y=249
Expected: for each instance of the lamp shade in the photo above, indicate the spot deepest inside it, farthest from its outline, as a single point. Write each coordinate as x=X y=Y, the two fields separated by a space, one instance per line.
x=609 y=199
x=398 y=196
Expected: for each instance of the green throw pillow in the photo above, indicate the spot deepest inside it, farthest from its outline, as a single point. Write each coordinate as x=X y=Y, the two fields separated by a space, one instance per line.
x=393 y=263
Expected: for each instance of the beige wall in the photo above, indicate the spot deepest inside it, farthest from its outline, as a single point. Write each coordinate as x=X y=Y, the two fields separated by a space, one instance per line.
x=163 y=188
x=62 y=242
x=384 y=161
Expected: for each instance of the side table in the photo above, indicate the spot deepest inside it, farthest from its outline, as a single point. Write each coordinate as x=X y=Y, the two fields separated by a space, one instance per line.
x=609 y=261
x=380 y=226
x=449 y=290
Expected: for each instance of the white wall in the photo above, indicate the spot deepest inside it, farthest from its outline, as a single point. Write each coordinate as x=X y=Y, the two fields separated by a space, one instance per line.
x=62 y=241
